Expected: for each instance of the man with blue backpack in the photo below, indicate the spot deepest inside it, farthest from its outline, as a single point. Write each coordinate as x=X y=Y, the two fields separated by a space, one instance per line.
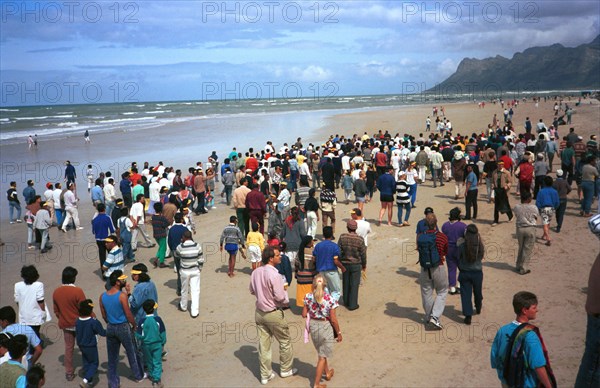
x=433 y=247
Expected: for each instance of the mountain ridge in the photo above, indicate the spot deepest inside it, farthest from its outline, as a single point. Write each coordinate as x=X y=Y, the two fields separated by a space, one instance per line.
x=551 y=67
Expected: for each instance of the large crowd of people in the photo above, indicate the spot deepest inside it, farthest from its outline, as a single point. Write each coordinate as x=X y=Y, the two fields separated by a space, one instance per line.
x=277 y=198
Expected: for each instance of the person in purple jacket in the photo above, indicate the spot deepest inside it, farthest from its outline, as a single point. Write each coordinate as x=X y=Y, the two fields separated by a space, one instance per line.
x=454 y=229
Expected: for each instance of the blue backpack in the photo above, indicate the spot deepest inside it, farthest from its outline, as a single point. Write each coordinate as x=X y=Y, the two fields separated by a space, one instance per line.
x=429 y=257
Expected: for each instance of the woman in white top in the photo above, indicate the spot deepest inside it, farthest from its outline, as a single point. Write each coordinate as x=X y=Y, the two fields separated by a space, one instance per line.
x=29 y=295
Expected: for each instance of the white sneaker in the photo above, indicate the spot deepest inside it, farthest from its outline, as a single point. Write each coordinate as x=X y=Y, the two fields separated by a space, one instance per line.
x=79 y=227
x=266 y=381
x=289 y=373
x=436 y=322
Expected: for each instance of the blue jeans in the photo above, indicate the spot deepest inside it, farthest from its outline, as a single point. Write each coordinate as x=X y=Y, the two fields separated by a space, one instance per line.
x=471 y=283
x=401 y=207
x=59 y=216
x=413 y=194
x=117 y=335
x=12 y=205
x=228 y=189
x=589 y=370
x=588 y=188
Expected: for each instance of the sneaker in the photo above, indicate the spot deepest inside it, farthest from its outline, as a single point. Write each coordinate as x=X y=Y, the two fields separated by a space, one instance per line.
x=289 y=373
x=144 y=377
x=157 y=384
x=495 y=224
x=70 y=377
x=85 y=384
x=467 y=320
x=19 y=220
x=12 y=222
x=436 y=322
x=80 y=228
x=266 y=381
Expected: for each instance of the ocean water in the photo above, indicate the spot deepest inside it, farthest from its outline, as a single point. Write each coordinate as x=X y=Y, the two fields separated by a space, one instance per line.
x=50 y=122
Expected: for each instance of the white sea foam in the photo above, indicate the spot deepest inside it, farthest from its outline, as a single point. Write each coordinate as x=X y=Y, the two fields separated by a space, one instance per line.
x=125 y=120
x=8 y=110
x=158 y=111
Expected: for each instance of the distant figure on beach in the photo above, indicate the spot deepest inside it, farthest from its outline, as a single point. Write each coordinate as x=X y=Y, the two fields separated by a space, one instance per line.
x=86 y=136
x=70 y=173
x=30 y=141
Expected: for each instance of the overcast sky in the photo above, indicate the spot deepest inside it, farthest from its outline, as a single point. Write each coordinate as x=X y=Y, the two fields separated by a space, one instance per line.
x=169 y=50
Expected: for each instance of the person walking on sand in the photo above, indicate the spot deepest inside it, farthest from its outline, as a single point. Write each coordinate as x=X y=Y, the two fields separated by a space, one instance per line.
x=526 y=215
x=326 y=255
x=471 y=192
x=119 y=329
x=471 y=253
x=353 y=256
x=323 y=325
x=66 y=300
x=454 y=229
x=191 y=263
x=86 y=137
x=520 y=333
x=547 y=202
x=433 y=247
x=501 y=186
x=386 y=184
x=231 y=239
x=267 y=285
x=71 y=208
x=13 y=203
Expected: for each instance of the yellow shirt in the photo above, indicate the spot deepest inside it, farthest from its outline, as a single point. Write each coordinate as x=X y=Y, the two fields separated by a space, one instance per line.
x=255 y=238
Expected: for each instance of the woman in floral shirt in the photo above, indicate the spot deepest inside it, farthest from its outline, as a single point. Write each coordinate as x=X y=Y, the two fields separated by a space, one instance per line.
x=320 y=307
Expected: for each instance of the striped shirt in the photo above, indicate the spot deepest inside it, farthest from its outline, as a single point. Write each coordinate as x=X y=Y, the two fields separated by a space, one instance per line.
x=231 y=235
x=190 y=254
x=402 y=194
x=114 y=261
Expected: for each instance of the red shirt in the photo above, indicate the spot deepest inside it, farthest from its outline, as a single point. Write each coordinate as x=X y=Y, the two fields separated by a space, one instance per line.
x=251 y=163
x=66 y=300
x=381 y=159
x=134 y=178
x=507 y=161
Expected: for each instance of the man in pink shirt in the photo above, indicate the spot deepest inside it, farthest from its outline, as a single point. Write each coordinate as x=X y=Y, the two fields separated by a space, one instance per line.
x=267 y=285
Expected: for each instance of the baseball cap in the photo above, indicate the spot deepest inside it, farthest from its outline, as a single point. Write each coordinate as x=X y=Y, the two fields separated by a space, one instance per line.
x=428 y=210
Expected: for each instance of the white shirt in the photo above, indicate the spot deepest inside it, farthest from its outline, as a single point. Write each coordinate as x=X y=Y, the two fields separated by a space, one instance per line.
x=27 y=297
x=128 y=223
x=48 y=195
x=137 y=212
x=284 y=197
x=56 y=197
x=363 y=230
x=109 y=192
x=70 y=200
x=154 y=190
x=345 y=162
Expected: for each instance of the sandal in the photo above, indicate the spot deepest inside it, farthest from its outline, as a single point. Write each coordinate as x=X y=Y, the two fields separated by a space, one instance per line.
x=329 y=375
x=548 y=243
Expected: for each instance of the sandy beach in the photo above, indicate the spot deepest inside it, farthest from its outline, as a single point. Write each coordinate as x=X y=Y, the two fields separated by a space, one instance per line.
x=385 y=343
